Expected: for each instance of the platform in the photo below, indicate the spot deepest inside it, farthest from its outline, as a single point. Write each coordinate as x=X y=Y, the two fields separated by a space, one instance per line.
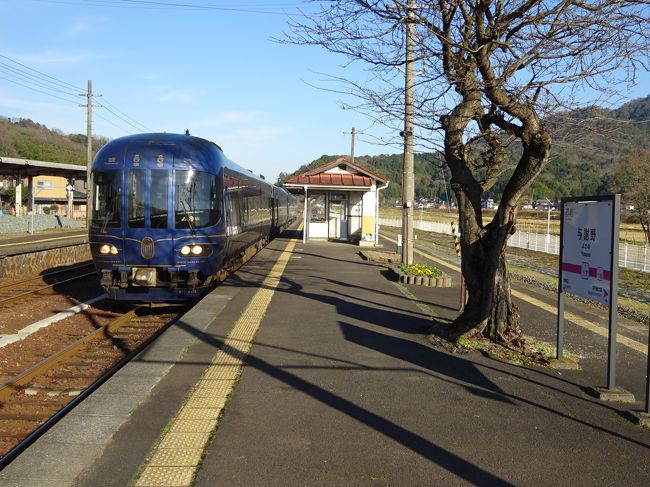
x=338 y=385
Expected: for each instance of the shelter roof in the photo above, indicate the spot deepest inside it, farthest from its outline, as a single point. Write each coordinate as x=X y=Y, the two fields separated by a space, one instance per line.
x=340 y=173
x=25 y=167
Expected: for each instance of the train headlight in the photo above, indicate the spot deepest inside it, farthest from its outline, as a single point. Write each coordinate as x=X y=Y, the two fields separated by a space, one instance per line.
x=108 y=249
x=195 y=250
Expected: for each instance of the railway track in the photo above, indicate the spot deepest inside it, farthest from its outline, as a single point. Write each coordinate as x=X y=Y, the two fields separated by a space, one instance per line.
x=11 y=292
x=34 y=400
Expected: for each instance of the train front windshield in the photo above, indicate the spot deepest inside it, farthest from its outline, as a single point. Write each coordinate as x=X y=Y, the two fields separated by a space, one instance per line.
x=197 y=199
x=106 y=201
x=197 y=202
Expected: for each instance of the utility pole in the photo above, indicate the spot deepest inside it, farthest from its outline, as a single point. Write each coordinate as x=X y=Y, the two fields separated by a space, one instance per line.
x=89 y=144
x=408 y=190
x=353 y=133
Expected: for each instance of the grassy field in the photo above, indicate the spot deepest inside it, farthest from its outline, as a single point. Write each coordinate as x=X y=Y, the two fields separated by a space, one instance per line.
x=529 y=221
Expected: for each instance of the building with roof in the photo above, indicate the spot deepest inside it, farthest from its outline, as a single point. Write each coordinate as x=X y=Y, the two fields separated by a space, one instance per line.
x=341 y=201
x=50 y=184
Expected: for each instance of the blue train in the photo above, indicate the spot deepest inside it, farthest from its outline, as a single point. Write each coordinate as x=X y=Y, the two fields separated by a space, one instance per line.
x=171 y=216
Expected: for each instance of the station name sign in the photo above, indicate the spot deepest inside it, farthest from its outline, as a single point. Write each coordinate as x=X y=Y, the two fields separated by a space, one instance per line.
x=588 y=240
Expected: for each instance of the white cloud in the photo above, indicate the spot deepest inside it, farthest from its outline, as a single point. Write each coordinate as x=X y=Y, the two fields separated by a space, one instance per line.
x=173 y=96
x=52 y=57
x=254 y=135
x=84 y=25
x=228 y=118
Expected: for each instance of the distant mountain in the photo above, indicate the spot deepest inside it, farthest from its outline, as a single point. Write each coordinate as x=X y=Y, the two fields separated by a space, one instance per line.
x=25 y=139
x=587 y=145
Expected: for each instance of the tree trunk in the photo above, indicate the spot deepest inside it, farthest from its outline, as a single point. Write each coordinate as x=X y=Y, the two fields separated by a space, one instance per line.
x=489 y=311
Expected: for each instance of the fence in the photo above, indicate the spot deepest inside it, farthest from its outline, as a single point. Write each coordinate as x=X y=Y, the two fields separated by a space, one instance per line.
x=631 y=256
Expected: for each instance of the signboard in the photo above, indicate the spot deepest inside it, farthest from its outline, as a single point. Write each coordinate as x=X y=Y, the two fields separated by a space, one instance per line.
x=587 y=246
x=589 y=262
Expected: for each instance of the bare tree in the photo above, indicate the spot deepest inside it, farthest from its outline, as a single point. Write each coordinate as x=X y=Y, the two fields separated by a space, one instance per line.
x=493 y=70
x=630 y=179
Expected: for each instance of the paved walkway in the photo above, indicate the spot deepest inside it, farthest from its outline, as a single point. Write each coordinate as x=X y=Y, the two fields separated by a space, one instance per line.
x=341 y=387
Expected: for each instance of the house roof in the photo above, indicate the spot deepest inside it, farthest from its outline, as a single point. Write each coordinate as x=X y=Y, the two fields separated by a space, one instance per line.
x=336 y=174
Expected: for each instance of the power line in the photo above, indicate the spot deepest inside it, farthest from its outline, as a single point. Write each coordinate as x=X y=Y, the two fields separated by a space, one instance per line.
x=124 y=119
x=95 y=114
x=58 y=81
x=26 y=77
x=43 y=83
x=158 y=5
x=36 y=89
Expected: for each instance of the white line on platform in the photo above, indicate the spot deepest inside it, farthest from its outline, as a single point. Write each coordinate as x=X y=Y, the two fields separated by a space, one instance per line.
x=29 y=329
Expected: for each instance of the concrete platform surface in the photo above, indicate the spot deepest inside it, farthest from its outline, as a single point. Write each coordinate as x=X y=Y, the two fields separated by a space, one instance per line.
x=341 y=387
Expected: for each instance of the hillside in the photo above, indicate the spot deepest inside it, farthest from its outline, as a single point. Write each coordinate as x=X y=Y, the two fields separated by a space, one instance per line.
x=587 y=145
x=25 y=139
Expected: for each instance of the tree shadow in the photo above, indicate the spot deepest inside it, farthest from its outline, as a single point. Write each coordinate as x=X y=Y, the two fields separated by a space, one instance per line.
x=427 y=358
x=413 y=441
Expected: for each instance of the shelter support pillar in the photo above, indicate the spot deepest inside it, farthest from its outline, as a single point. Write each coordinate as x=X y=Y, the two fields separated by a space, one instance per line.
x=32 y=194
x=305 y=218
x=19 y=194
x=70 y=206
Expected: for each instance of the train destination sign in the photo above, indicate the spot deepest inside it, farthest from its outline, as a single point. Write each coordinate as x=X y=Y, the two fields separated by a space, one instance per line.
x=587 y=241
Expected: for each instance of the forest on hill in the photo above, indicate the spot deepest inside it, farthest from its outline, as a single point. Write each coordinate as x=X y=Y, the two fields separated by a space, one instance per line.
x=23 y=138
x=588 y=144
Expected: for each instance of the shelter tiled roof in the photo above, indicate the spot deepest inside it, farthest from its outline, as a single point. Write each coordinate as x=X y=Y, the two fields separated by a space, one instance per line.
x=320 y=176
x=331 y=180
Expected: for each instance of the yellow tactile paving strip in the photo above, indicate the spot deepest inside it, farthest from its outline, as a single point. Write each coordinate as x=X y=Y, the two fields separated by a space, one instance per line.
x=176 y=458
x=573 y=318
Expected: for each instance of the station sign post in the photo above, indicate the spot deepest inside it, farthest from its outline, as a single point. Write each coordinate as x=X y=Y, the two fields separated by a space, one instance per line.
x=589 y=236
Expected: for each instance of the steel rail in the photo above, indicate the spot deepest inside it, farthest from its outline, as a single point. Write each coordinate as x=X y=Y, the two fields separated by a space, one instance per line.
x=34 y=291
x=43 y=276
x=50 y=362
x=105 y=330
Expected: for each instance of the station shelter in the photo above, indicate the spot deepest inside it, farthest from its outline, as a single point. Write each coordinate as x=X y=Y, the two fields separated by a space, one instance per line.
x=49 y=184
x=341 y=202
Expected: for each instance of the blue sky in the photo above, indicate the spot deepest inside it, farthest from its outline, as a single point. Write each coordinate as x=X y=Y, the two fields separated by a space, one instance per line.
x=215 y=72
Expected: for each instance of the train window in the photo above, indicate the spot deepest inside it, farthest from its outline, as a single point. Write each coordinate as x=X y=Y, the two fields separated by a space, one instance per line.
x=197 y=199
x=136 y=197
x=158 y=198
x=106 y=200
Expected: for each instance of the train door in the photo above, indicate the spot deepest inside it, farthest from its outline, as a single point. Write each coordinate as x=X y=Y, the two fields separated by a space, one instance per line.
x=147 y=176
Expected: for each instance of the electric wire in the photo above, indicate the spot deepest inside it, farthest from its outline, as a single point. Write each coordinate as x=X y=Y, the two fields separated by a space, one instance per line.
x=54 y=80
x=22 y=75
x=139 y=129
x=26 y=77
x=98 y=115
x=158 y=5
x=36 y=89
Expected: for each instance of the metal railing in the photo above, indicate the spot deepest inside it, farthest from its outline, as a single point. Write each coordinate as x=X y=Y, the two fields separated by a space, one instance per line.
x=631 y=256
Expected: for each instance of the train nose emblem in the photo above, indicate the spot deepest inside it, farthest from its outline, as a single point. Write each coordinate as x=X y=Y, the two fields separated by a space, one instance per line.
x=147 y=248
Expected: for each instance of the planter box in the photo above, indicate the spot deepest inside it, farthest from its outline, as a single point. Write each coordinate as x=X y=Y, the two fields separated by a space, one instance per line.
x=397 y=275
